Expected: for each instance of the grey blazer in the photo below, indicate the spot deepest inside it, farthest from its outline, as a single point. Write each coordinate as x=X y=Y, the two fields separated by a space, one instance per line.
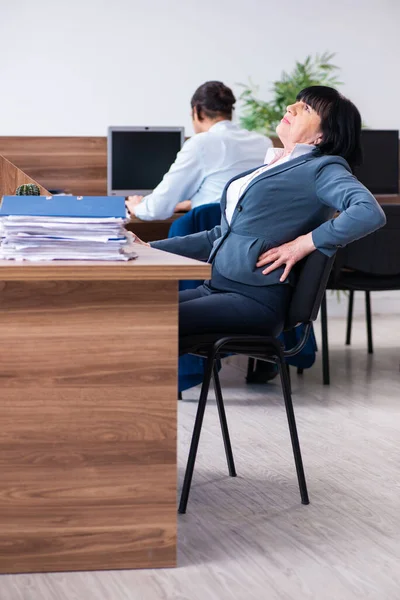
x=289 y=200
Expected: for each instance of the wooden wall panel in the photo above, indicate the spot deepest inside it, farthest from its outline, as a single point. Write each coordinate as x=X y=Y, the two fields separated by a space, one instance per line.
x=88 y=402
x=11 y=177
x=77 y=165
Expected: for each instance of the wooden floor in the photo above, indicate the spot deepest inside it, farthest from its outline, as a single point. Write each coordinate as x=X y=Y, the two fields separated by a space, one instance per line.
x=249 y=538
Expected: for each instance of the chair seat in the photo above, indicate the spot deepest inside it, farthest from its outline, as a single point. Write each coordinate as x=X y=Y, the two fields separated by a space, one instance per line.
x=358 y=281
x=254 y=345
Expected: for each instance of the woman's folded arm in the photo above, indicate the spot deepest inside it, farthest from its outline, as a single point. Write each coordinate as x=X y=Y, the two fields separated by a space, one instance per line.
x=196 y=245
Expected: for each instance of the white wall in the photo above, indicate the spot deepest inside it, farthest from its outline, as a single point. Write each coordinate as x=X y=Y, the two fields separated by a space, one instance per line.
x=73 y=68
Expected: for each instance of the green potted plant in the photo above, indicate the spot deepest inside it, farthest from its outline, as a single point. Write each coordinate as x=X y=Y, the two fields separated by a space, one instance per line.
x=28 y=189
x=262 y=116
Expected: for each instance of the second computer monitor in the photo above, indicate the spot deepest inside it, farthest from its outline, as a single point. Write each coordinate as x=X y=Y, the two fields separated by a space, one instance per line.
x=379 y=171
x=138 y=157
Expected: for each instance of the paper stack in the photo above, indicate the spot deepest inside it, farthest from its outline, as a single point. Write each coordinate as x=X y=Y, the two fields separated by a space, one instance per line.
x=37 y=236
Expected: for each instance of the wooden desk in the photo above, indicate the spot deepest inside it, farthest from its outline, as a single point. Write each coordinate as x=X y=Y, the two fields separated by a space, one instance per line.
x=88 y=411
x=149 y=231
x=388 y=199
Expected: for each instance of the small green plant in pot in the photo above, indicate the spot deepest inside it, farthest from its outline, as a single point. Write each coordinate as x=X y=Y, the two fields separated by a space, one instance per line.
x=28 y=189
x=262 y=116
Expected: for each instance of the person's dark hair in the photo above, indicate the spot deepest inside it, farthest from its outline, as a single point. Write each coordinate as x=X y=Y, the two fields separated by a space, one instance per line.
x=213 y=99
x=340 y=122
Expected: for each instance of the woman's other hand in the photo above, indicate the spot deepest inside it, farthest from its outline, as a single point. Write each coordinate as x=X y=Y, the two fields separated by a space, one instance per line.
x=134 y=239
x=288 y=254
x=133 y=201
x=183 y=206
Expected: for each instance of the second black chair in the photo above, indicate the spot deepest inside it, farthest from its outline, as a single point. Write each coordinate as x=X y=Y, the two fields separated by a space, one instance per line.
x=313 y=273
x=369 y=265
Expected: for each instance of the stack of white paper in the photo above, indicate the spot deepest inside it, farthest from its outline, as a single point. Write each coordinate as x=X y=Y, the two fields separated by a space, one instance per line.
x=64 y=238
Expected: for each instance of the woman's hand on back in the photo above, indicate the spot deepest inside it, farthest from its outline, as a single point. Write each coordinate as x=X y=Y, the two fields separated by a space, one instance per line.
x=288 y=254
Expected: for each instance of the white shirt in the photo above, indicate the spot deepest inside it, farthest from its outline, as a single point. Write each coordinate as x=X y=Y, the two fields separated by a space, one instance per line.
x=202 y=168
x=237 y=187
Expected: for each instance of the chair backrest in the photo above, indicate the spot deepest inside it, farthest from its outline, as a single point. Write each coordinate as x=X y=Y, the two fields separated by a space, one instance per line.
x=312 y=276
x=201 y=218
x=207 y=216
x=376 y=254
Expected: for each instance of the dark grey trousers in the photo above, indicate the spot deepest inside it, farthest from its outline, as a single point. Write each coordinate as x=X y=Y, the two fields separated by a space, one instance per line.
x=203 y=310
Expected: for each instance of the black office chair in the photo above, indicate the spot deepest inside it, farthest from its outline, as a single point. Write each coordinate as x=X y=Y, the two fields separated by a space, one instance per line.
x=369 y=265
x=312 y=273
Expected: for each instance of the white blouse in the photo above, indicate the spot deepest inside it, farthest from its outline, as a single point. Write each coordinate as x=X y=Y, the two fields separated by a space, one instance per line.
x=202 y=167
x=272 y=159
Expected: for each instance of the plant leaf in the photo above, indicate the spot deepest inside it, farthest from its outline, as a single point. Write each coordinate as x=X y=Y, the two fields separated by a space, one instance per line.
x=264 y=116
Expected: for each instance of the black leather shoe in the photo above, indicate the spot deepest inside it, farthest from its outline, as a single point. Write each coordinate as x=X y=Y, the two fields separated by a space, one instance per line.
x=263 y=372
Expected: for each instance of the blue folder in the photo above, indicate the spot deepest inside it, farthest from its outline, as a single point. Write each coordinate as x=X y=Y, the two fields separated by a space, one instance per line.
x=96 y=207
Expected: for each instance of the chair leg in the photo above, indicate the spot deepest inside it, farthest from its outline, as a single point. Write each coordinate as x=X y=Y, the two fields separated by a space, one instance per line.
x=223 y=422
x=196 y=436
x=349 y=317
x=369 y=321
x=293 y=434
x=250 y=367
x=300 y=371
x=325 y=348
x=289 y=378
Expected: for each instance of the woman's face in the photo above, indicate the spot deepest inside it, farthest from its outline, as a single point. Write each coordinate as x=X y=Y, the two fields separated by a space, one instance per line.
x=300 y=125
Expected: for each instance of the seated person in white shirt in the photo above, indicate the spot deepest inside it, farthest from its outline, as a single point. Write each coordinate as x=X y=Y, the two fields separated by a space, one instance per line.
x=219 y=151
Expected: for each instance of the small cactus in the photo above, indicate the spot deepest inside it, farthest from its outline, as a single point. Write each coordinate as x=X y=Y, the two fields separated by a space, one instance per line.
x=27 y=189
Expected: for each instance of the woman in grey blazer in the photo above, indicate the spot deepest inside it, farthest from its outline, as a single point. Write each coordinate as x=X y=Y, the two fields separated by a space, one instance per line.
x=277 y=214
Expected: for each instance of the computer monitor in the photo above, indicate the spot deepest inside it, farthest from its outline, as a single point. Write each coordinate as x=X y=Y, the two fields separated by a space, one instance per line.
x=138 y=157
x=380 y=169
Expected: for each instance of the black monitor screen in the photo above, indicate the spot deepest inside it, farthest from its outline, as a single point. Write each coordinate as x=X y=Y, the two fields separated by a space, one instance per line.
x=380 y=169
x=141 y=158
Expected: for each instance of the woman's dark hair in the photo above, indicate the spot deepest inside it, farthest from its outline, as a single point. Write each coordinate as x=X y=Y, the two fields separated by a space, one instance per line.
x=213 y=99
x=340 y=122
